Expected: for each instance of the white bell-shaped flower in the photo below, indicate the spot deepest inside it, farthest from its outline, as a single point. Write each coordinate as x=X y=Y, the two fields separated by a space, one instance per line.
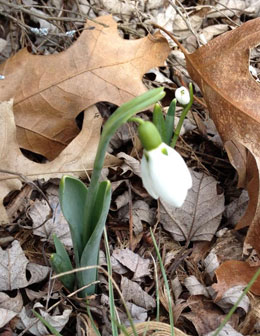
x=165 y=175
x=182 y=95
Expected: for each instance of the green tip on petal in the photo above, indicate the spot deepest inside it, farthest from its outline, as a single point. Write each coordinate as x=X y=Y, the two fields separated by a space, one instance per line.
x=149 y=135
x=164 y=151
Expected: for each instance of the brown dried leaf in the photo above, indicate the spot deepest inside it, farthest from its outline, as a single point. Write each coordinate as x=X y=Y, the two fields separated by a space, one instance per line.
x=13 y=268
x=236 y=209
x=230 y=297
x=131 y=260
x=233 y=99
x=232 y=273
x=204 y=315
x=75 y=159
x=56 y=225
x=201 y=213
x=194 y=286
x=9 y=307
x=131 y=291
x=50 y=91
x=36 y=327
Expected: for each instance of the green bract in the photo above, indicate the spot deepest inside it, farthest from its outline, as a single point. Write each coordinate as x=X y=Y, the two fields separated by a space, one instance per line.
x=149 y=135
x=86 y=209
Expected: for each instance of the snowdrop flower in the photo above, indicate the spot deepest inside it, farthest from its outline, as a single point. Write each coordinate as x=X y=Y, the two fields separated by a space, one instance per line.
x=164 y=172
x=182 y=95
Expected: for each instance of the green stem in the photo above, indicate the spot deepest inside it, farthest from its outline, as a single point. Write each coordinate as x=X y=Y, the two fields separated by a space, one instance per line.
x=137 y=120
x=183 y=115
x=117 y=119
x=232 y=310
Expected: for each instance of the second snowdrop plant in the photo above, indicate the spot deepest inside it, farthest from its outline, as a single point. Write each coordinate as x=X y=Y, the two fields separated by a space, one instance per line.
x=164 y=175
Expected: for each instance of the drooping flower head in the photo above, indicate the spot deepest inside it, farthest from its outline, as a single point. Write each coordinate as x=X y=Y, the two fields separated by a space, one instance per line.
x=164 y=173
x=182 y=95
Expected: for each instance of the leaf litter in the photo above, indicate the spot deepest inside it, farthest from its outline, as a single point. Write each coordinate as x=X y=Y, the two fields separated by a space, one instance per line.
x=202 y=149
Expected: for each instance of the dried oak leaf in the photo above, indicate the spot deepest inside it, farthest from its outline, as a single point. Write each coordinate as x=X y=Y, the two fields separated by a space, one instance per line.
x=9 y=307
x=131 y=260
x=13 y=268
x=131 y=291
x=220 y=68
x=75 y=159
x=201 y=213
x=233 y=273
x=50 y=91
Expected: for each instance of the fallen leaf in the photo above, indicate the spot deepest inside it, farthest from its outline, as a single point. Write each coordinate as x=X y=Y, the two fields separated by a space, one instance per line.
x=131 y=291
x=211 y=263
x=236 y=209
x=201 y=213
x=56 y=225
x=230 y=297
x=233 y=273
x=227 y=330
x=130 y=163
x=138 y=314
x=140 y=212
x=14 y=266
x=50 y=91
x=180 y=28
x=194 y=286
x=251 y=322
x=233 y=99
x=227 y=8
x=204 y=315
x=138 y=265
x=228 y=247
x=121 y=200
x=9 y=307
x=58 y=321
x=209 y=32
x=117 y=266
x=75 y=159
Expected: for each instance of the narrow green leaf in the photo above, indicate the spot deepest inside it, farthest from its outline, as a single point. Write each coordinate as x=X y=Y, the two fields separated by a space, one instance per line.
x=73 y=194
x=61 y=265
x=97 y=209
x=169 y=122
x=159 y=122
x=112 y=306
x=90 y=255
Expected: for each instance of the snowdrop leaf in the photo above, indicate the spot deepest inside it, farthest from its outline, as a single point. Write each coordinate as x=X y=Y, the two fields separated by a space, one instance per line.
x=60 y=262
x=90 y=254
x=73 y=194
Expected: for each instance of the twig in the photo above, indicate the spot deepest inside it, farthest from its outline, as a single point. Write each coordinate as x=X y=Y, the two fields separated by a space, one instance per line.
x=48 y=18
x=186 y=20
x=33 y=185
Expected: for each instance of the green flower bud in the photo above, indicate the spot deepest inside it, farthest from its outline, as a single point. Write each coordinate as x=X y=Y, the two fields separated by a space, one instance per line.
x=149 y=135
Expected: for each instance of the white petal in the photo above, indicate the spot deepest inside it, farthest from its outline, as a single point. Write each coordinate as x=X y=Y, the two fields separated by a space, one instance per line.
x=146 y=178
x=182 y=95
x=169 y=176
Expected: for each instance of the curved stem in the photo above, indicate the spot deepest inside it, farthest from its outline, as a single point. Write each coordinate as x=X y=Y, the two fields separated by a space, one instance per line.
x=117 y=119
